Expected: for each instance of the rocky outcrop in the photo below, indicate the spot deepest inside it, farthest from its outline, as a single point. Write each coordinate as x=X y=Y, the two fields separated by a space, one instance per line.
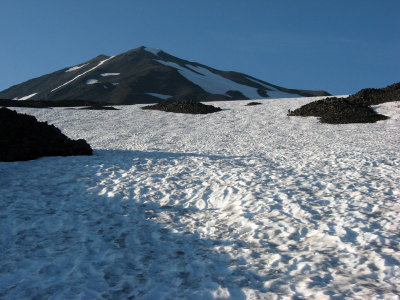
x=377 y=96
x=99 y=107
x=355 y=108
x=22 y=137
x=253 y=103
x=186 y=107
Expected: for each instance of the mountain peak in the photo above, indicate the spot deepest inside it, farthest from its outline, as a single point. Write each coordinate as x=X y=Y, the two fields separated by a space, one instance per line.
x=146 y=75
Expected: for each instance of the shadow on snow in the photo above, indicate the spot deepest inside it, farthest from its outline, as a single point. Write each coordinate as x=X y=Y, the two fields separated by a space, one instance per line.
x=73 y=239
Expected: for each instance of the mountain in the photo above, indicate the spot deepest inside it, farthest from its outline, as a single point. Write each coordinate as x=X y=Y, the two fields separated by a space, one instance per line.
x=146 y=75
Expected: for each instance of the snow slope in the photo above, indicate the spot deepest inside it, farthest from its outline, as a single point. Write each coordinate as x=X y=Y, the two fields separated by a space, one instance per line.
x=216 y=84
x=246 y=203
x=210 y=82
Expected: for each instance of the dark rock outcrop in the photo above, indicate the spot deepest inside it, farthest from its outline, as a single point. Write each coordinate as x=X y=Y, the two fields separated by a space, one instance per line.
x=338 y=111
x=377 y=96
x=22 y=137
x=352 y=109
x=253 y=103
x=99 y=107
x=186 y=107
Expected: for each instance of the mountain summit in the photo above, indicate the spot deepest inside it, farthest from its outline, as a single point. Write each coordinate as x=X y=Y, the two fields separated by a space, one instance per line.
x=147 y=75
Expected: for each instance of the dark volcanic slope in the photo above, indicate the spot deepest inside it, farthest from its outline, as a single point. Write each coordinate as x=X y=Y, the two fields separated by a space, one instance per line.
x=146 y=75
x=353 y=109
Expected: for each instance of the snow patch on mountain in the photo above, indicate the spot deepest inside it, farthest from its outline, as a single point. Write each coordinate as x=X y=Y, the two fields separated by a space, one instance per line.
x=260 y=82
x=25 y=97
x=161 y=96
x=210 y=82
x=73 y=79
x=75 y=68
x=272 y=91
x=92 y=81
x=110 y=74
x=154 y=51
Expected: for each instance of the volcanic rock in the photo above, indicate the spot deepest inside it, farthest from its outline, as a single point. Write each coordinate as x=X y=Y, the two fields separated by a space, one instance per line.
x=186 y=107
x=253 y=103
x=22 y=137
x=99 y=107
x=377 y=96
x=352 y=109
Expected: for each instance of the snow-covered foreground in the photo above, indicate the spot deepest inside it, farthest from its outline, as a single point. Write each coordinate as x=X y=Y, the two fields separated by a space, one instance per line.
x=246 y=203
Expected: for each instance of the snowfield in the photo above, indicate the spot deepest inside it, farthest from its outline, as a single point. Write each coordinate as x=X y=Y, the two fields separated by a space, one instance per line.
x=246 y=203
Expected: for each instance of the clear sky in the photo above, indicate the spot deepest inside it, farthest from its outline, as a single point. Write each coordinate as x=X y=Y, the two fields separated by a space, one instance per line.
x=340 y=46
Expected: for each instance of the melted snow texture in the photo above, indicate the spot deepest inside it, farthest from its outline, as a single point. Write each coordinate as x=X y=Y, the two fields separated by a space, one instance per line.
x=243 y=203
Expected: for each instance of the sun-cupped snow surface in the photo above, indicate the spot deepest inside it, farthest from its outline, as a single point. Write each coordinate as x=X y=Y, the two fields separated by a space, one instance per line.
x=109 y=74
x=161 y=96
x=76 y=77
x=246 y=203
x=75 y=68
x=25 y=97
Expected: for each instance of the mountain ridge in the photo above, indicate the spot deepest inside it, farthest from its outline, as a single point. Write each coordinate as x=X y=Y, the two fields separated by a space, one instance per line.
x=146 y=75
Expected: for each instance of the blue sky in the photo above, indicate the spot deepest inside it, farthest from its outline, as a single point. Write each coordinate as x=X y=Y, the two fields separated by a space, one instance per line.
x=337 y=46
